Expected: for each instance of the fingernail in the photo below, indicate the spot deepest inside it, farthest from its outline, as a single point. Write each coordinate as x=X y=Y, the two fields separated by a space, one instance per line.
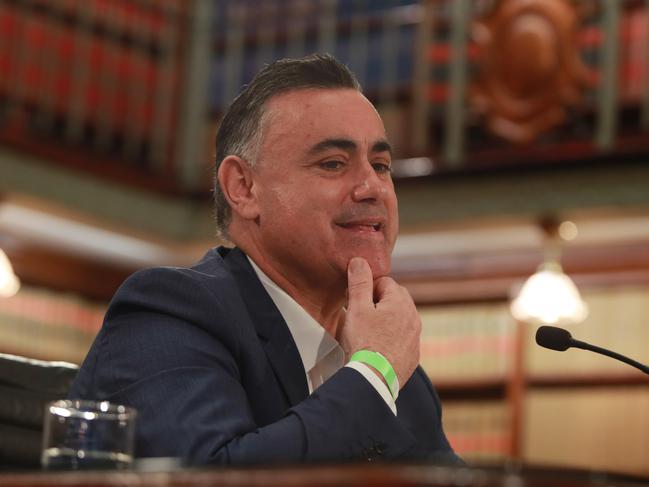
x=355 y=265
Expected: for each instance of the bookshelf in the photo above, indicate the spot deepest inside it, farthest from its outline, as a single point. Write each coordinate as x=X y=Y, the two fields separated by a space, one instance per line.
x=49 y=325
x=468 y=352
x=94 y=85
x=506 y=398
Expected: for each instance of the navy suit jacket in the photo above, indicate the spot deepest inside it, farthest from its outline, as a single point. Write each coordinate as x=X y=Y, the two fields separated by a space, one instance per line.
x=206 y=358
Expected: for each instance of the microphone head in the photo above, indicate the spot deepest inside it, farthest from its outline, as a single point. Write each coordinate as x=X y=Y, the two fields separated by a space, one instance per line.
x=554 y=338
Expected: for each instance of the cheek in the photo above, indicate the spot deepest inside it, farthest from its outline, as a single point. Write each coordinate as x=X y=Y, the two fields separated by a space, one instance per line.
x=293 y=210
x=393 y=209
x=279 y=204
x=306 y=200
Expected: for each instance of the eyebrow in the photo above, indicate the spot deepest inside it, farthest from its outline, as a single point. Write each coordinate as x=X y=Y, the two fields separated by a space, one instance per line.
x=382 y=146
x=348 y=146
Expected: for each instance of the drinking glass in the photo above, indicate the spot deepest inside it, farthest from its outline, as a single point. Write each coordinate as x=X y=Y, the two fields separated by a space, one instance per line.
x=88 y=435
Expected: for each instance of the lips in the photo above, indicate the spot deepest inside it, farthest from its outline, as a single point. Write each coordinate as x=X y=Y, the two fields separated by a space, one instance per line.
x=362 y=219
x=366 y=224
x=362 y=226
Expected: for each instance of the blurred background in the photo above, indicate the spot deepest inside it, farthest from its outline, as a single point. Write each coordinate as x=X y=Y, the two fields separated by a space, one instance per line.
x=521 y=134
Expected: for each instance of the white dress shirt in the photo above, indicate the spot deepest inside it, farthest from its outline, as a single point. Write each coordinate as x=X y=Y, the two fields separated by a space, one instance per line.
x=322 y=356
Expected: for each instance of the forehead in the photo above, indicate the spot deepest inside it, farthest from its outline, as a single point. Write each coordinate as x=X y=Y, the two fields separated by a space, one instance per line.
x=304 y=117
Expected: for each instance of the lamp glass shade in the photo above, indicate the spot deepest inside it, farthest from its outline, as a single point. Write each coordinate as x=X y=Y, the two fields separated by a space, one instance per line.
x=549 y=297
x=9 y=283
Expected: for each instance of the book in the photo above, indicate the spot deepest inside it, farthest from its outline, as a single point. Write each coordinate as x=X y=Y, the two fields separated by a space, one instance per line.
x=478 y=431
x=49 y=325
x=467 y=342
x=604 y=428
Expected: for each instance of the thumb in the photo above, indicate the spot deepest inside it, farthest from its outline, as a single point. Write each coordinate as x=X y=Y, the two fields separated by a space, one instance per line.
x=360 y=284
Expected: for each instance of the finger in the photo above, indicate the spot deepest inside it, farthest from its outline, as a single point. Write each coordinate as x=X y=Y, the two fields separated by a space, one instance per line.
x=359 y=284
x=341 y=326
x=383 y=287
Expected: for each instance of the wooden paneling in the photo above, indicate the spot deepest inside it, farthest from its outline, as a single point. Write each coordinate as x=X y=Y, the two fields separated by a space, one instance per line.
x=48 y=268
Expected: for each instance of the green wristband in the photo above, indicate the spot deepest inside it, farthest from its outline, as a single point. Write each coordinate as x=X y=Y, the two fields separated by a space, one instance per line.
x=380 y=363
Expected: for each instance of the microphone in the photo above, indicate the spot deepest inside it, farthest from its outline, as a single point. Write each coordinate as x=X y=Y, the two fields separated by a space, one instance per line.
x=560 y=340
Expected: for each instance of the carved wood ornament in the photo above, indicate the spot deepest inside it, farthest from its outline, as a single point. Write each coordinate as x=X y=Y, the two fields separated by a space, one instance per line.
x=530 y=69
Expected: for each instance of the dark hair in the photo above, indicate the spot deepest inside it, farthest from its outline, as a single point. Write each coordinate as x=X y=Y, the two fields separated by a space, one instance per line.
x=240 y=132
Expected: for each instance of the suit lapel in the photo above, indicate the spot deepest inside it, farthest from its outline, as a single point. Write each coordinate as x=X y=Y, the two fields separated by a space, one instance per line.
x=276 y=338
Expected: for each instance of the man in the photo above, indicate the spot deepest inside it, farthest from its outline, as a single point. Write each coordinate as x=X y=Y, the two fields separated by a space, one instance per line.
x=252 y=355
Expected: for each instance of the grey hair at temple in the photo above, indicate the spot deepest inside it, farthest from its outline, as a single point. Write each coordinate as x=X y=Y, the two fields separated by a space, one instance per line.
x=242 y=127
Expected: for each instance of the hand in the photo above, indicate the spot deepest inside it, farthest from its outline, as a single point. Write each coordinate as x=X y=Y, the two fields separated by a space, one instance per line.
x=391 y=326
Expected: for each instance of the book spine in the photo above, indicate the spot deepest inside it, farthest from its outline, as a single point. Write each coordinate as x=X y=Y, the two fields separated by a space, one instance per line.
x=48 y=325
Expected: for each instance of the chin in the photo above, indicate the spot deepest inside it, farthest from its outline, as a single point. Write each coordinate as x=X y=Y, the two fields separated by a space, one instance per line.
x=378 y=259
x=380 y=266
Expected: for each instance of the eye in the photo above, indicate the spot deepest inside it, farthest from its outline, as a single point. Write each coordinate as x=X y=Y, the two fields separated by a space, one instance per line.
x=332 y=165
x=382 y=167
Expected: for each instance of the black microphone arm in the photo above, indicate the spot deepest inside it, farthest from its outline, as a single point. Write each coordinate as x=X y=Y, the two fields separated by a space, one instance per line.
x=559 y=339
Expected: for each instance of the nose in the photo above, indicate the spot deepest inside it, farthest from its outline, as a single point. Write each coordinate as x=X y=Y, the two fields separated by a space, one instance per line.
x=368 y=185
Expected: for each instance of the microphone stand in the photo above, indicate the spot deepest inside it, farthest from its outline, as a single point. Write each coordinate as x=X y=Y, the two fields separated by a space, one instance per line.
x=594 y=348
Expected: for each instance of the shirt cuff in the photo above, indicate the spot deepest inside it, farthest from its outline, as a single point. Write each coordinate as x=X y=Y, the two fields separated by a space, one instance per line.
x=377 y=383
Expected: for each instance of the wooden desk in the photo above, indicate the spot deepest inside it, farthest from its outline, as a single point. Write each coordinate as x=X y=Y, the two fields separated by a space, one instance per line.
x=327 y=476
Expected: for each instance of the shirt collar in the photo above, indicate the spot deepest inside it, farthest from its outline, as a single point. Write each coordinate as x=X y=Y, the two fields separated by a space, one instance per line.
x=312 y=340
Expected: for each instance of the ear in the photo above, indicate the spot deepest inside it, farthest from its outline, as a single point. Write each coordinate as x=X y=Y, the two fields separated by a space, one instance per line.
x=236 y=179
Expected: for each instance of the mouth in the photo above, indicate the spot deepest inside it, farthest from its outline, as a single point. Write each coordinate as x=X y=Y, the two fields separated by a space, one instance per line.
x=362 y=226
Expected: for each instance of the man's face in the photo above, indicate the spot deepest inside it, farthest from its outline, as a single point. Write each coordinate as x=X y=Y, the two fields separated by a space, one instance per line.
x=323 y=184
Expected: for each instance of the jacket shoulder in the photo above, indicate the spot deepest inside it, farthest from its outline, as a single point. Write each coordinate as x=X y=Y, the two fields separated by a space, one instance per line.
x=177 y=291
x=163 y=318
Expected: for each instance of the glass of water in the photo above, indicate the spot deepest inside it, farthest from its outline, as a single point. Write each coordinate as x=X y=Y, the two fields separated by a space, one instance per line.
x=88 y=435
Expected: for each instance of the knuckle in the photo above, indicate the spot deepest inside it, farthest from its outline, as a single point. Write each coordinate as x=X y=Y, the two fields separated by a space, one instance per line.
x=355 y=286
x=387 y=282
